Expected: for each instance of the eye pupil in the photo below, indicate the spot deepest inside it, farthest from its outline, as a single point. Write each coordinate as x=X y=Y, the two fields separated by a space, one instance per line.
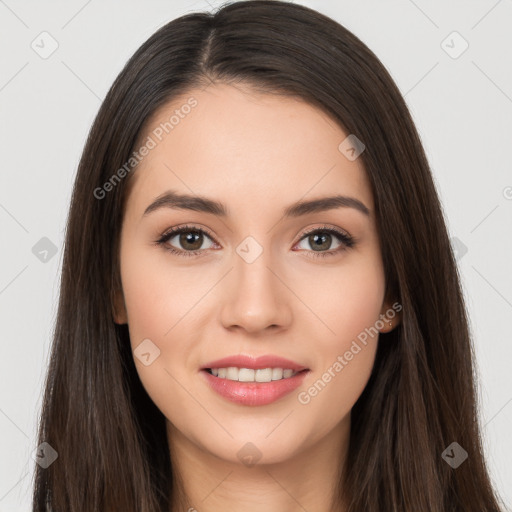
x=188 y=238
x=321 y=245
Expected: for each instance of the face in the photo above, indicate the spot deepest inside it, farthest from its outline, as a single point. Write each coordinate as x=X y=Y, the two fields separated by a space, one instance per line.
x=260 y=280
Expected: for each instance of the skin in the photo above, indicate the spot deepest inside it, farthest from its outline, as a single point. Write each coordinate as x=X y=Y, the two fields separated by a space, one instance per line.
x=248 y=149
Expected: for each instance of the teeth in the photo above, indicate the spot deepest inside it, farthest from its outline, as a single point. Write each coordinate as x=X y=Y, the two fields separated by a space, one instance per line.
x=250 y=375
x=264 y=375
x=277 y=373
x=232 y=373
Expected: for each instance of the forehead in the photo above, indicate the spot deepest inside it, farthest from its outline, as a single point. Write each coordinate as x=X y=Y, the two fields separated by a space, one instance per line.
x=253 y=148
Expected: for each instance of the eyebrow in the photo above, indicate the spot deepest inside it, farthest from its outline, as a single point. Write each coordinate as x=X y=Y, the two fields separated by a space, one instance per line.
x=178 y=201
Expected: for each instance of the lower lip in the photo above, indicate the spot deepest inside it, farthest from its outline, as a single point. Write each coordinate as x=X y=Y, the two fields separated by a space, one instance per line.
x=254 y=393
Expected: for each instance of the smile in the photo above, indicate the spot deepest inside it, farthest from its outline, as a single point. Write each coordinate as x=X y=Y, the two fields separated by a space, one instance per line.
x=253 y=381
x=251 y=375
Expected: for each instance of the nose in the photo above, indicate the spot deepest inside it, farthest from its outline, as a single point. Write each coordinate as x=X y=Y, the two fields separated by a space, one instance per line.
x=256 y=296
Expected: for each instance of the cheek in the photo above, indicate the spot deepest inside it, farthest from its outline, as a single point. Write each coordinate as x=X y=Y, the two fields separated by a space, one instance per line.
x=346 y=354
x=157 y=309
x=162 y=305
x=346 y=300
x=156 y=294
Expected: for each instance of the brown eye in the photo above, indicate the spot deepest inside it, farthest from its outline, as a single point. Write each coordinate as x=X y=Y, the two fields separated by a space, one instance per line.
x=321 y=239
x=186 y=241
x=190 y=240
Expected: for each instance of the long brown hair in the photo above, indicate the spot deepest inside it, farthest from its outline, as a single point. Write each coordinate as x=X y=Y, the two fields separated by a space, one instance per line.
x=109 y=436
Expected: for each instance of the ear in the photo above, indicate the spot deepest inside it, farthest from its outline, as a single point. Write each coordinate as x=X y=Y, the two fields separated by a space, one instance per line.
x=390 y=315
x=119 y=308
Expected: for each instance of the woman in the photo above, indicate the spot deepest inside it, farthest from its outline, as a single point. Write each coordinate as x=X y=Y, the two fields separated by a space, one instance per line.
x=310 y=349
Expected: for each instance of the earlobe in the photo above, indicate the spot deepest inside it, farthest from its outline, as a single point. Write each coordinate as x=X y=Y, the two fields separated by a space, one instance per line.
x=390 y=316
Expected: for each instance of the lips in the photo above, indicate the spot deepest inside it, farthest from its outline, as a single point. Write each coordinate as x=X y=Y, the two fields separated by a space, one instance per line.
x=254 y=393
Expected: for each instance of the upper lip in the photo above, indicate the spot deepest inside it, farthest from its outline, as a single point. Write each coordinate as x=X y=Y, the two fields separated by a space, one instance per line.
x=255 y=363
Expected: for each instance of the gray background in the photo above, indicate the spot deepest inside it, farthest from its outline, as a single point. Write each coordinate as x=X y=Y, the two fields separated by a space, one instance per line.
x=462 y=105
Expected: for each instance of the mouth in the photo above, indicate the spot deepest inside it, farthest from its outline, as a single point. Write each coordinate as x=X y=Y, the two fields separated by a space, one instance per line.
x=253 y=381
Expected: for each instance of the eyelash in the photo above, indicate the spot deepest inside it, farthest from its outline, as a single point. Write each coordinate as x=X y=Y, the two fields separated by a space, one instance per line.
x=347 y=240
